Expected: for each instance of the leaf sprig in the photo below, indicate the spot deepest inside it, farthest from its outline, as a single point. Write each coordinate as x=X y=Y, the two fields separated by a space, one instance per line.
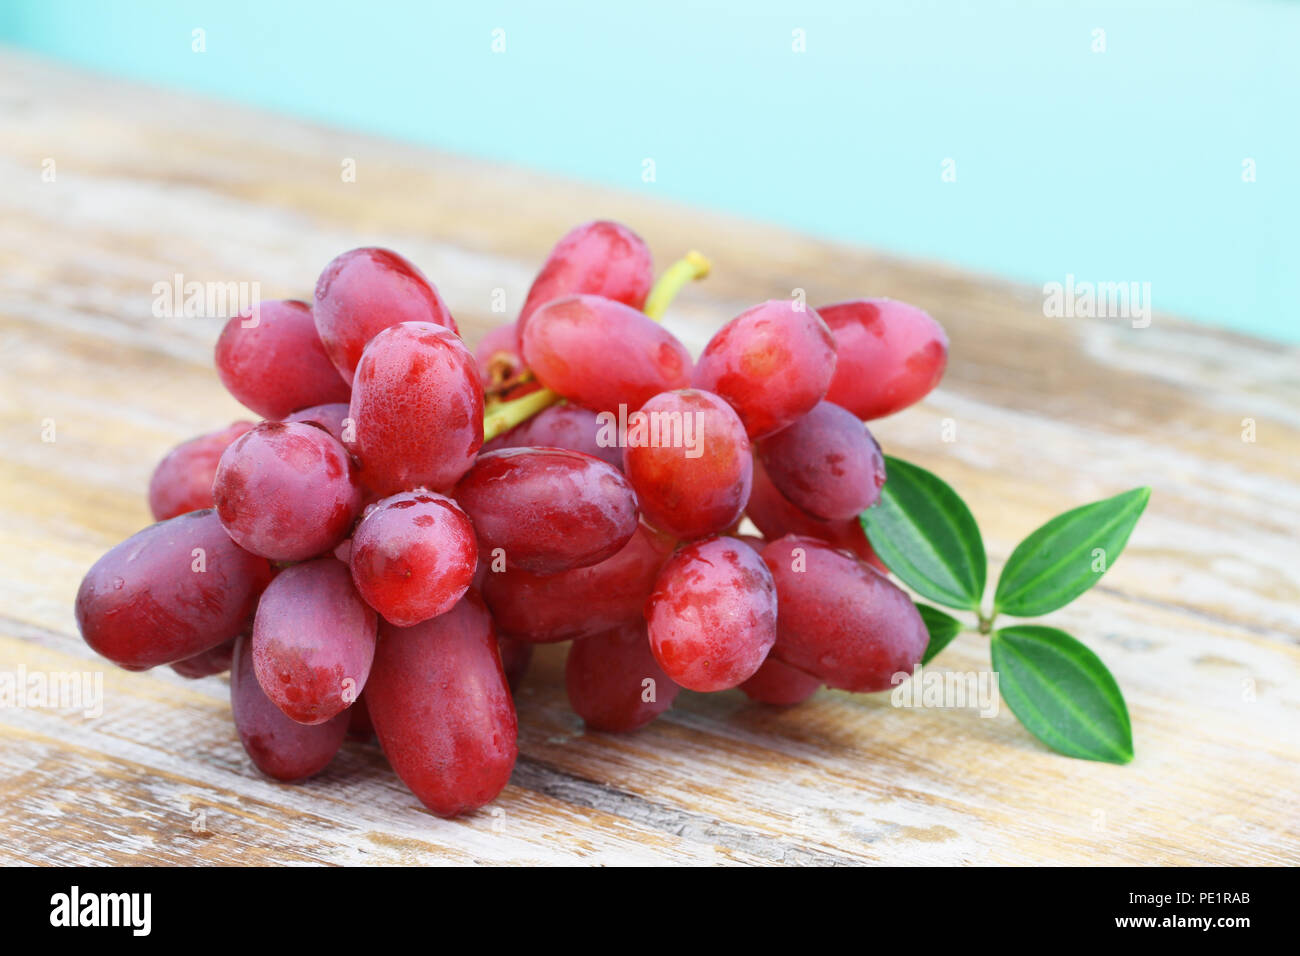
x=1057 y=687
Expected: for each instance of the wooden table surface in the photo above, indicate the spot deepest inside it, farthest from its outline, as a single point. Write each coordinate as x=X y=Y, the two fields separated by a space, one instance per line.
x=1198 y=621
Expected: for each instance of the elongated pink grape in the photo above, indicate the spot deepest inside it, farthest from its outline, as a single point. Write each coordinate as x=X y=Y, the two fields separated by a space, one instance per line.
x=279 y=747
x=313 y=641
x=779 y=684
x=842 y=620
x=691 y=465
x=602 y=354
x=548 y=509
x=712 y=615
x=891 y=355
x=363 y=292
x=413 y=556
x=417 y=408
x=272 y=360
x=332 y=417
x=441 y=708
x=613 y=681
x=499 y=357
x=776 y=516
x=826 y=463
x=772 y=363
x=169 y=592
x=215 y=660
x=359 y=725
x=286 y=491
x=182 y=482
x=597 y=258
x=564 y=426
x=543 y=608
x=515 y=657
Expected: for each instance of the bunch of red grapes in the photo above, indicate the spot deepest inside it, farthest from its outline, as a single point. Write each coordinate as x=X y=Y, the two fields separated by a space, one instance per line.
x=364 y=563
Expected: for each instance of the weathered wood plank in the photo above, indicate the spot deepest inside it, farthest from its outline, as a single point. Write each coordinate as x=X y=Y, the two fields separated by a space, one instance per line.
x=1199 y=621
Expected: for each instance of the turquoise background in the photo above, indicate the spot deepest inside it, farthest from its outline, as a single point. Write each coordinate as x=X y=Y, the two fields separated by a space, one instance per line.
x=1117 y=166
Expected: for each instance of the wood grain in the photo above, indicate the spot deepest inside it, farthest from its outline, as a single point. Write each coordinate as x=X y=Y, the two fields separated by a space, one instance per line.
x=1200 y=620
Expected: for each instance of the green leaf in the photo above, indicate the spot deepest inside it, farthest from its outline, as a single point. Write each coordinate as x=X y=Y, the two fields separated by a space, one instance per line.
x=1066 y=556
x=1062 y=693
x=927 y=536
x=942 y=627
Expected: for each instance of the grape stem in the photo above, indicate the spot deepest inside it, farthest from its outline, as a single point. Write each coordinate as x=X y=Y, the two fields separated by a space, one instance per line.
x=689 y=268
x=501 y=417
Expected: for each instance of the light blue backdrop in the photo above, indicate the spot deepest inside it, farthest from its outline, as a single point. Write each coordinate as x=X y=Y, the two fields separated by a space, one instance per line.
x=1124 y=165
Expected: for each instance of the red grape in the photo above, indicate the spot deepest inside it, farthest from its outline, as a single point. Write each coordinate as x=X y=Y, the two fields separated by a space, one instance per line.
x=826 y=463
x=543 y=608
x=174 y=590
x=772 y=363
x=313 y=641
x=891 y=355
x=215 y=660
x=440 y=705
x=272 y=360
x=841 y=619
x=691 y=466
x=286 y=491
x=332 y=417
x=776 y=516
x=363 y=292
x=614 y=682
x=417 y=408
x=597 y=258
x=515 y=657
x=369 y=567
x=548 y=509
x=602 y=354
x=182 y=482
x=413 y=556
x=498 y=356
x=279 y=747
x=563 y=426
x=779 y=684
x=359 y=725
x=712 y=614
